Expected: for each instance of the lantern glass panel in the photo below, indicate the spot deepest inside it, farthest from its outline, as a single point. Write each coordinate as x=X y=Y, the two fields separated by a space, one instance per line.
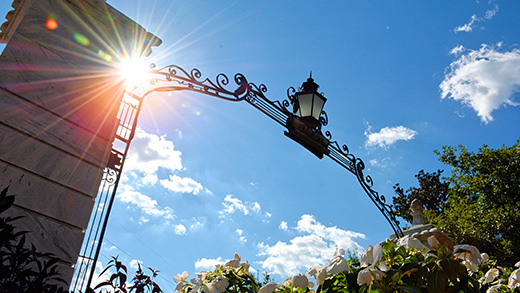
x=305 y=104
x=318 y=105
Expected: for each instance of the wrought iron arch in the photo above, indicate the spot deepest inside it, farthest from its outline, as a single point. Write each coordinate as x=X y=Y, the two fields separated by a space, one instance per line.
x=175 y=78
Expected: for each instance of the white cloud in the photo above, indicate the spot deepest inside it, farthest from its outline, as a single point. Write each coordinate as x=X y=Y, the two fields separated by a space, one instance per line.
x=148 y=152
x=308 y=250
x=283 y=226
x=143 y=202
x=242 y=238
x=182 y=184
x=134 y=264
x=490 y=13
x=468 y=27
x=232 y=204
x=484 y=80
x=308 y=224
x=149 y=179
x=198 y=223
x=207 y=264
x=291 y=258
x=457 y=50
x=180 y=229
x=388 y=136
x=256 y=207
x=380 y=163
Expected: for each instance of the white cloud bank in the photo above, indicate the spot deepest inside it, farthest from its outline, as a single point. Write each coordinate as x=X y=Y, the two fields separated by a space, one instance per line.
x=315 y=246
x=208 y=263
x=182 y=184
x=145 y=203
x=148 y=152
x=483 y=79
x=388 y=136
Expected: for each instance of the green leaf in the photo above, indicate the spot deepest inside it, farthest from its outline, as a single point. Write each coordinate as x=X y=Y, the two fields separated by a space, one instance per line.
x=437 y=282
x=453 y=269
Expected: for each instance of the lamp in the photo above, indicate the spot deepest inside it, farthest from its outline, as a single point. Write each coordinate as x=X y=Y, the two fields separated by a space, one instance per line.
x=308 y=103
x=304 y=126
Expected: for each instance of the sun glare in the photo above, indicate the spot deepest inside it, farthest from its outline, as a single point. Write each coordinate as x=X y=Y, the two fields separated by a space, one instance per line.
x=134 y=71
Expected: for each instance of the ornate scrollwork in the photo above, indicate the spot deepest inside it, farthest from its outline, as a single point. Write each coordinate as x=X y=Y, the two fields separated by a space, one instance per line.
x=278 y=111
x=110 y=176
x=324 y=119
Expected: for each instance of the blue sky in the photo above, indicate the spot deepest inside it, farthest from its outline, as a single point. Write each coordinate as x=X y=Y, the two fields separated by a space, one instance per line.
x=207 y=178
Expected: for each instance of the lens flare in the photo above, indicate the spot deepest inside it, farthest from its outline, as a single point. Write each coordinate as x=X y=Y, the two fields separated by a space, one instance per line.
x=81 y=39
x=133 y=70
x=105 y=56
x=51 y=24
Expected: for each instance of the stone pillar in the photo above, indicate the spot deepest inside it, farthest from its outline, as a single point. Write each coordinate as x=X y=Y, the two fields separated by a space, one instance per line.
x=60 y=91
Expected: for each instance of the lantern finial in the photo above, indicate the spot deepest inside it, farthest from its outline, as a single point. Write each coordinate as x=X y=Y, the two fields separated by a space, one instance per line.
x=310 y=85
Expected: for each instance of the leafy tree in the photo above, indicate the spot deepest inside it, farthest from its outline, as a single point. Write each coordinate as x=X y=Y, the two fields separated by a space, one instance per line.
x=432 y=192
x=483 y=199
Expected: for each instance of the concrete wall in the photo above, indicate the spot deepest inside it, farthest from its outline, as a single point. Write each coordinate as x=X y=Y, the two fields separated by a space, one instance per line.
x=59 y=95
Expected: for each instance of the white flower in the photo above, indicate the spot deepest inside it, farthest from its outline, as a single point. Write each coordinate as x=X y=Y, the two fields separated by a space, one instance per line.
x=372 y=258
x=337 y=265
x=300 y=281
x=287 y=282
x=234 y=263
x=470 y=266
x=517 y=264
x=367 y=258
x=269 y=287
x=485 y=257
x=366 y=276
x=514 y=279
x=197 y=282
x=490 y=276
x=180 y=280
x=494 y=289
x=411 y=242
x=470 y=255
x=377 y=253
x=319 y=273
x=217 y=286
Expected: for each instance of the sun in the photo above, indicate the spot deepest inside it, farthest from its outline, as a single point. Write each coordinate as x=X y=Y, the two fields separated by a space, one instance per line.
x=133 y=70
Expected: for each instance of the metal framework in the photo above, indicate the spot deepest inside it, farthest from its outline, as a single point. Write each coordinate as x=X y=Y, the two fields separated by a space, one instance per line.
x=174 y=78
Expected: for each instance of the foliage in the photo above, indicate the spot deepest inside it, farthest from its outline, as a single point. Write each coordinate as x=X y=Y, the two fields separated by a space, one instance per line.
x=432 y=192
x=141 y=282
x=23 y=269
x=483 y=203
x=406 y=266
